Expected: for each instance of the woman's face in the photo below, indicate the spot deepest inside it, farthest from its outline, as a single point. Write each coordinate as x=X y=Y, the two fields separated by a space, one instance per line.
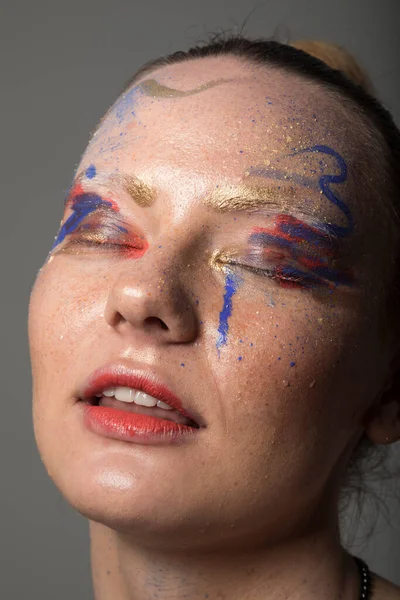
x=214 y=239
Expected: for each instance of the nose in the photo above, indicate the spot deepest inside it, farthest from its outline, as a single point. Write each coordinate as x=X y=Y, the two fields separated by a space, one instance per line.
x=155 y=303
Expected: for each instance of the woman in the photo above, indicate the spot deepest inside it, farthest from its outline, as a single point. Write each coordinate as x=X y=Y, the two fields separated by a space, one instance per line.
x=214 y=335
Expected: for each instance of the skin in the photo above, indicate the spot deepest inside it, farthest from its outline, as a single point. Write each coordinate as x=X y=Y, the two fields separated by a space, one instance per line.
x=248 y=509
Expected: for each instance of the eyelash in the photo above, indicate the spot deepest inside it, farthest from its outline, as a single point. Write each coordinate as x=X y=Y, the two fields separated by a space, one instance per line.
x=274 y=274
x=284 y=281
x=98 y=244
x=103 y=232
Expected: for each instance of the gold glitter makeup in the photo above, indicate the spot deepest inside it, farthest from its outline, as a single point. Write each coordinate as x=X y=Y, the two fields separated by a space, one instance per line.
x=151 y=87
x=139 y=191
x=246 y=198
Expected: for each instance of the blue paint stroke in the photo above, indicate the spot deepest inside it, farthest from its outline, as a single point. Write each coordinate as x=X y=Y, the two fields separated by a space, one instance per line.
x=82 y=206
x=90 y=172
x=323 y=183
x=126 y=104
x=231 y=285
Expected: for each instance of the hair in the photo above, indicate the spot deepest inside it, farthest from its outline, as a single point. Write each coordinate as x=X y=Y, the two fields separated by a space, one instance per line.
x=333 y=68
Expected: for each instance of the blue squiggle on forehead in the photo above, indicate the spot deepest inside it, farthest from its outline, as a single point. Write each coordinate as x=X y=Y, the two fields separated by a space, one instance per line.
x=322 y=184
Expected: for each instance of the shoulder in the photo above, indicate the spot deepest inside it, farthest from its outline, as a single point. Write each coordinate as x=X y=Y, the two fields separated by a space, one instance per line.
x=384 y=590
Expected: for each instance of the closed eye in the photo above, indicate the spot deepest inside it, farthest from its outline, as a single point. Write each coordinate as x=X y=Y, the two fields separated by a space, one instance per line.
x=286 y=276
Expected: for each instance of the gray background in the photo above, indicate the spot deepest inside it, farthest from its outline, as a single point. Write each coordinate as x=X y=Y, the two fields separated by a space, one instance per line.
x=62 y=65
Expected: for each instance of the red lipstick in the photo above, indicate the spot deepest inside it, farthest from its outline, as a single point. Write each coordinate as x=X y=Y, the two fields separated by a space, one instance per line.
x=135 y=426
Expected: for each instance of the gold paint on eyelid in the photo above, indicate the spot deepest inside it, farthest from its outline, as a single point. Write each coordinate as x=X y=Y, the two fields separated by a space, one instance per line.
x=221 y=258
x=152 y=88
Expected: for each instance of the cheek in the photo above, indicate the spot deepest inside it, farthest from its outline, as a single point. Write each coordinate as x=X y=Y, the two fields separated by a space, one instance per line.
x=64 y=314
x=288 y=361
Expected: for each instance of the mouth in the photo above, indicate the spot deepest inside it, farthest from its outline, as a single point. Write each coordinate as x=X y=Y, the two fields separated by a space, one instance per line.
x=137 y=392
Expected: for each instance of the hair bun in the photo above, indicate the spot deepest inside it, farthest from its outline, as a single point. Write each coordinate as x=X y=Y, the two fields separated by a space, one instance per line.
x=338 y=58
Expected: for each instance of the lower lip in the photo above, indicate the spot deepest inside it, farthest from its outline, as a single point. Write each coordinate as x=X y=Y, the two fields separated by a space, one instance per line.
x=133 y=427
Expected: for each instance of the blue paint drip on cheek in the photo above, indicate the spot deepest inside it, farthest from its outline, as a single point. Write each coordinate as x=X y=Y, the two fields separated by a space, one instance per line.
x=231 y=285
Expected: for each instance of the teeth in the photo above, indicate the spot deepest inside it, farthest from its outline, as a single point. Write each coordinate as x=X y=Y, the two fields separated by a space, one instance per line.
x=144 y=399
x=125 y=394
x=162 y=404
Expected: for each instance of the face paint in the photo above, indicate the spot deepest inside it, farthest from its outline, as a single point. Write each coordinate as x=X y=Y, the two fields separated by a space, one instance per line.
x=82 y=204
x=323 y=184
x=91 y=172
x=231 y=285
x=152 y=88
x=126 y=104
x=300 y=255
x=100 y=232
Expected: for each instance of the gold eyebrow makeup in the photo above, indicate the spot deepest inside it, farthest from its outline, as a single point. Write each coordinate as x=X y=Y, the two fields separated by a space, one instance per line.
x=247 y=198
x=140 y=192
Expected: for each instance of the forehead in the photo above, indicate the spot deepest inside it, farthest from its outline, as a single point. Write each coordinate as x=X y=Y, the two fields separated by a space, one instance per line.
x=190 y=126
x=219 y=108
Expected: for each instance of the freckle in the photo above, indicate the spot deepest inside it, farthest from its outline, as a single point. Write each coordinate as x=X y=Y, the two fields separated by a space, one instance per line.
x=108 y=572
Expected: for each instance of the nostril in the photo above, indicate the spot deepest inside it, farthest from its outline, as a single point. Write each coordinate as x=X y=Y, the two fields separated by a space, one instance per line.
x=155 y=321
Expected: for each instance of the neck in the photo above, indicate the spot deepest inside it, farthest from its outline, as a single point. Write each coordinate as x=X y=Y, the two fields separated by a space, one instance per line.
x=312 y=566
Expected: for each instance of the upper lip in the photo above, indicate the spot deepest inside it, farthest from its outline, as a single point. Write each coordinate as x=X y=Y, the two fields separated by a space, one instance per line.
x=143 y=380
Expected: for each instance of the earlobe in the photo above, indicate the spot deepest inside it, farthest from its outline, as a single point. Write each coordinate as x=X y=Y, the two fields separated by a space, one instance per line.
x=382 y=420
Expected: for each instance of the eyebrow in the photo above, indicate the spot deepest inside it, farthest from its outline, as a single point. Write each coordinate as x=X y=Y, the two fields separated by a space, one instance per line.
x=248 y=198
x=223 y=198
x=140 y=192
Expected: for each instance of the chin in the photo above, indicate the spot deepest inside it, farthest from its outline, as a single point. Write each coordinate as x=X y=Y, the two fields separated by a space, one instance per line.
x=127 y=495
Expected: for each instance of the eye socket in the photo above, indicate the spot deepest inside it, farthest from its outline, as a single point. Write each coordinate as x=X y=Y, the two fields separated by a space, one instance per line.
x=285 y=277
x=100 y=237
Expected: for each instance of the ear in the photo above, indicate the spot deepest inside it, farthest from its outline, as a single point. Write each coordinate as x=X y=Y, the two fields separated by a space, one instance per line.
x=382 y=420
